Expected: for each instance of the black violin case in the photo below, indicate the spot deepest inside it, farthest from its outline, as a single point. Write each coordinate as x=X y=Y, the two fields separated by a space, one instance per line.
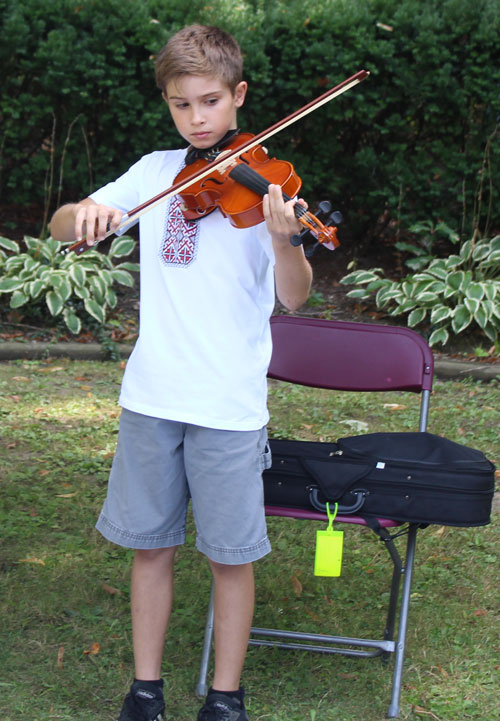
x=415 y=477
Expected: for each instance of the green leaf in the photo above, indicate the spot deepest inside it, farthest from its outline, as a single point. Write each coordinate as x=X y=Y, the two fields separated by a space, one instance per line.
x=472 y=304
x=34 y=245
x=466 y=250
x=105 y=276
x=77 y=274
x=426 y=297
x=95 y=310
x=480 y=252
x=481 y=317
x=11 y=245
x=98 y=287
x=359 y=293
x=462 y=317
x=111 y=298
x=440 y=313
x=475 y=290
x=491 y=331
x=121 y=247
x=123 y=277
x=134 y=267
x=35 y=288
x=18 y=299
x=440 y=335
x=54 y=302
x=81 y=292
x=14 y=263
x=7 y=285
x=456 y=280
x=72 y=321
x=452 y=261
x=416 y=316
x=358 y=277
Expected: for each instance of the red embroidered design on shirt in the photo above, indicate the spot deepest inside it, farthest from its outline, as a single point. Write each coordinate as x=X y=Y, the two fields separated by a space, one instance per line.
x=180 y=239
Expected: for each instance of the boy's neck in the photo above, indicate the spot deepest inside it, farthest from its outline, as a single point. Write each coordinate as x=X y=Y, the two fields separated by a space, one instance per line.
x=210 y=153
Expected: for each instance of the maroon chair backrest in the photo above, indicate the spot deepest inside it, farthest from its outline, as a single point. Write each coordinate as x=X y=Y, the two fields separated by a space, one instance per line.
x=349 y=356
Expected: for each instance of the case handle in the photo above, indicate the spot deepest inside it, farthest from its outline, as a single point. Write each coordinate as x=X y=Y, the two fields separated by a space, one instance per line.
x=320 y=506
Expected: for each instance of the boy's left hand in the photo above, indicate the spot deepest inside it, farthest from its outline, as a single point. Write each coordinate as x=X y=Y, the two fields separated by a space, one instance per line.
x=280 y=215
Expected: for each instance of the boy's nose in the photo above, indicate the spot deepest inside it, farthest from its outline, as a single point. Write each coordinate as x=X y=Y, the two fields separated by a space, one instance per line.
x=197 y=117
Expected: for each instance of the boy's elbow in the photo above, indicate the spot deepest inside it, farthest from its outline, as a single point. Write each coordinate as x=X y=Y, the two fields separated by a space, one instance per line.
x=293 y=302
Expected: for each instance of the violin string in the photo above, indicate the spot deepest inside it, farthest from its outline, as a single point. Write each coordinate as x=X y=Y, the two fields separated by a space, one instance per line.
x=244 y=175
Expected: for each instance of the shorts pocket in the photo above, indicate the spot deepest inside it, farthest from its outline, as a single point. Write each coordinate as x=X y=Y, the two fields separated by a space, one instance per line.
x=266 y=458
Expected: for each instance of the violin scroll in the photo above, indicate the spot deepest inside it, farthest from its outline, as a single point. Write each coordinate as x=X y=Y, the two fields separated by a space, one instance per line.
x=320 y=228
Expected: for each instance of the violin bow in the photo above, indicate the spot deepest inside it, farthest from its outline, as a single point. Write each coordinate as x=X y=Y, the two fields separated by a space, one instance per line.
x=225 y=158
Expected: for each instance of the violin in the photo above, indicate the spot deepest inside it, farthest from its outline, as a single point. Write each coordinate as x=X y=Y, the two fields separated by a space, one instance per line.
x=237 y=190
x=238 y=167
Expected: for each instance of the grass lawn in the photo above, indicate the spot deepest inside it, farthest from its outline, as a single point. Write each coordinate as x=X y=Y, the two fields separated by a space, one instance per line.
x=65 y=649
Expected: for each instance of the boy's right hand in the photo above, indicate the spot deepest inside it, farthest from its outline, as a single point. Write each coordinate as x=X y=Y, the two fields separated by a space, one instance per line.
x=94 y=221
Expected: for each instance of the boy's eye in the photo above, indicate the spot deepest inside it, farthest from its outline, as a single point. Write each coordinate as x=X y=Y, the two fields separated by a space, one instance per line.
x=212 y=101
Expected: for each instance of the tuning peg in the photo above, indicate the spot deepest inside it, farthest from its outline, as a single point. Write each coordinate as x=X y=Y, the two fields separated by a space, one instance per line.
x=336 y=218
x=310 y=251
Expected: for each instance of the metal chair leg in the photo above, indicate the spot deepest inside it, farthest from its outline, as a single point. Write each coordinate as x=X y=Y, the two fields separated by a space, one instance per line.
x=393 y=711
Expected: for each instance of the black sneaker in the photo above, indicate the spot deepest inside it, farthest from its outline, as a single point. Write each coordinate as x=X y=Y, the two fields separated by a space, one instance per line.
x=220 y=707
x=142 y=704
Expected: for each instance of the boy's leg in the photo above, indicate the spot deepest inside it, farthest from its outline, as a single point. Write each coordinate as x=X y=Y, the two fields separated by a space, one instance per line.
x=151 y=604
x=233 y=613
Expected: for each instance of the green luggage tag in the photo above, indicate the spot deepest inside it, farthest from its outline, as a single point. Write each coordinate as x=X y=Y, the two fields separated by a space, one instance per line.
x=328 y=558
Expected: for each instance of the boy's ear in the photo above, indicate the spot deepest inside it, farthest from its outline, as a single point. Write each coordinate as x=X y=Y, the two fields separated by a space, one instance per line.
x=240 y=92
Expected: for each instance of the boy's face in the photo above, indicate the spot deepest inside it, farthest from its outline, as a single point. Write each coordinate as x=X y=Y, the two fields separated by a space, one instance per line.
x=203 y=108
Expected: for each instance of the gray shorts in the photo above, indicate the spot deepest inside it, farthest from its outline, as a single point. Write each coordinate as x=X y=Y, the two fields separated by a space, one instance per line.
x=159 y=464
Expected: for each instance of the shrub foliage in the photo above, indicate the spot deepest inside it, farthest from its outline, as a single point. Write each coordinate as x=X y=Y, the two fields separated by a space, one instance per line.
x=418 y=139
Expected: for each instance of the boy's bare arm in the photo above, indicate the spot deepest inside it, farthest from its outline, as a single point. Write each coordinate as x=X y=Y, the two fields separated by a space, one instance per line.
x=292 y=271
x=86 y=218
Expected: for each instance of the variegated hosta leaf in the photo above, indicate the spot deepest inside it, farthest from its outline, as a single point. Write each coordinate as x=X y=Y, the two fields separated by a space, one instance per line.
x=491 y=330
x=426 y=297
x=95 y=310
x=440 y=335
x=416 y=316
x=359 y=293
x=72 y=321
x=475 y=290
x=462 y=318
x=8 y=244
x=453 y=261
x=8 y=285
x=111 y=298
x=121 y=247
x=359 y=277
x=480 y=252
x=123 y=277
x=384 y=295
x=472 y=304
x=456 y=280
x=466 y=250
x=481 y=316
x=18 y=298
x=35 y=288
x=440 y=313
x=407 y=305
x=54 y=302
x=135 y=268
x=14 y=263
x=77 y=274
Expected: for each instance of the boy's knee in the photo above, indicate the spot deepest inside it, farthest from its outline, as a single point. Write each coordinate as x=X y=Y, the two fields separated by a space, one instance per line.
x=155 y=555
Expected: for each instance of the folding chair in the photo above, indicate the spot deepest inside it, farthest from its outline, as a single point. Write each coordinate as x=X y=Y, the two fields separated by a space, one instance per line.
x=346 y=356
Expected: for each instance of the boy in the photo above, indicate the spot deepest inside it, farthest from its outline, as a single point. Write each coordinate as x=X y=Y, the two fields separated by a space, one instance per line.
x=194 y=391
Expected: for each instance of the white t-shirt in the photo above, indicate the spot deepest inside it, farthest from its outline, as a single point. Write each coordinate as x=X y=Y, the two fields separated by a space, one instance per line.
x=207 y=292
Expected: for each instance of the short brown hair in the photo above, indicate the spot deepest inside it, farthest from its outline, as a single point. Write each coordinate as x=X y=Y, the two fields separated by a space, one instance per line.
x=200 y=50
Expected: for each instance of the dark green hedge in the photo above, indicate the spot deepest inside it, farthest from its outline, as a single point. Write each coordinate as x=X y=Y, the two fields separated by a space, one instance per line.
x=413 y=141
